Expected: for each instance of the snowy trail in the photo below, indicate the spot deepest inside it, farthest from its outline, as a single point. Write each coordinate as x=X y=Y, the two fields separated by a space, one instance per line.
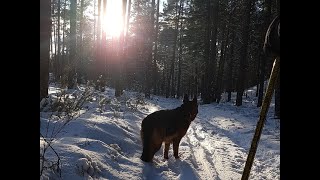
x=211 y=154
x=106 y=144
x=218 y=156
x=216 y=145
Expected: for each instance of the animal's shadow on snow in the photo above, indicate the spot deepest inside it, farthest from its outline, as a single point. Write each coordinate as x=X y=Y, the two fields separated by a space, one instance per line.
x=155 y=170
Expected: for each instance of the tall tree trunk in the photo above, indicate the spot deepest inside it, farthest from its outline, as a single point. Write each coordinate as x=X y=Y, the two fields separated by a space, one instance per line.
x=99 y=27
x=149 y=59
x=258 y=74
x=163 y=83
x=73 y=44
x=55 y=65
x=52 y=45
x=243 y=51
x=230 y=55
x=125 y=13
x=210 y=51
x=180 y=52
x=231 y=63
x=196 y=87
x=171 y=76
x=127 y=23
x=118 y=85
x=58 y=59
x=263 y=56
x=213 y=49
x=80 y=69
x=155 y=53
x=261 y=80
x=221 y=64
x=94 y=23
x=205 y=89
x=168 y=77
x=45 y=31
x=98 y=63
x=126 y=79
x=103 y=50
x=63 y=59
x=178 y=13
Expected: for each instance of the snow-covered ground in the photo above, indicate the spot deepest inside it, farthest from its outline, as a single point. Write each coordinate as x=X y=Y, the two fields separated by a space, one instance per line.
x=103 y=141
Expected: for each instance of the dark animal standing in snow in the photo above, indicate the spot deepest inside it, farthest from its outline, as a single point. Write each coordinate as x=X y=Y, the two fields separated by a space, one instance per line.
x=167 y=126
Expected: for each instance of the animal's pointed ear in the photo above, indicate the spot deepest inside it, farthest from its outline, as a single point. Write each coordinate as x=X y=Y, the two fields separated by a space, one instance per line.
x=185 y=98
x=195 y=99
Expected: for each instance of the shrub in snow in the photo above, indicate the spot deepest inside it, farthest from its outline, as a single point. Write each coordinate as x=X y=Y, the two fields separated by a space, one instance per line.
x=48 y=166
x=134 y=102
x=63 y=107
x=103 y=102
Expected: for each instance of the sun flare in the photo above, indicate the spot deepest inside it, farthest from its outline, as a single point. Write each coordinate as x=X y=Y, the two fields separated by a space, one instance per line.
x=112 y=22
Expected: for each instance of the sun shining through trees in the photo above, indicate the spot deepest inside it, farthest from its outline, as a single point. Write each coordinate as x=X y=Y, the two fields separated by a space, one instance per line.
x=112 y=22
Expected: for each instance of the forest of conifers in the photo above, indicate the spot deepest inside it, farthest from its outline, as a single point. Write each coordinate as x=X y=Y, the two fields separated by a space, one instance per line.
x=167 y=48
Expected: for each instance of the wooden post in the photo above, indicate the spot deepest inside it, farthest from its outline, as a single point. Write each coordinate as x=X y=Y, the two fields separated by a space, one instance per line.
x=262 y=118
